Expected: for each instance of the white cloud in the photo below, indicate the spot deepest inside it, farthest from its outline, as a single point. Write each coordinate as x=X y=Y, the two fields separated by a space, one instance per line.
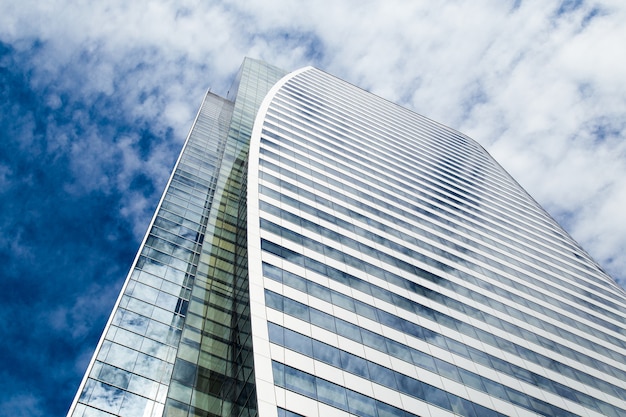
x=25 y=405
x=533 y=86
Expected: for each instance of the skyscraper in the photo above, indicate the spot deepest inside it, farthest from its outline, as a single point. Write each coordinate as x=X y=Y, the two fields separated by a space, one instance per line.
x=320 y=251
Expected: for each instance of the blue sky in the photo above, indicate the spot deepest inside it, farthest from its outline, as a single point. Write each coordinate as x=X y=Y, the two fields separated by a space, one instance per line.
x=96 y=100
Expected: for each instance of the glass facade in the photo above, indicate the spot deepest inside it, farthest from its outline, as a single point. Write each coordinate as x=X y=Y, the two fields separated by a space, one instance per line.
x=320 y=251
x=178 y=341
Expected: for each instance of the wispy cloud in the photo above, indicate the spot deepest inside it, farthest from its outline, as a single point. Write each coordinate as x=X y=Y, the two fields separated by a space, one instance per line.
x=96 y=99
